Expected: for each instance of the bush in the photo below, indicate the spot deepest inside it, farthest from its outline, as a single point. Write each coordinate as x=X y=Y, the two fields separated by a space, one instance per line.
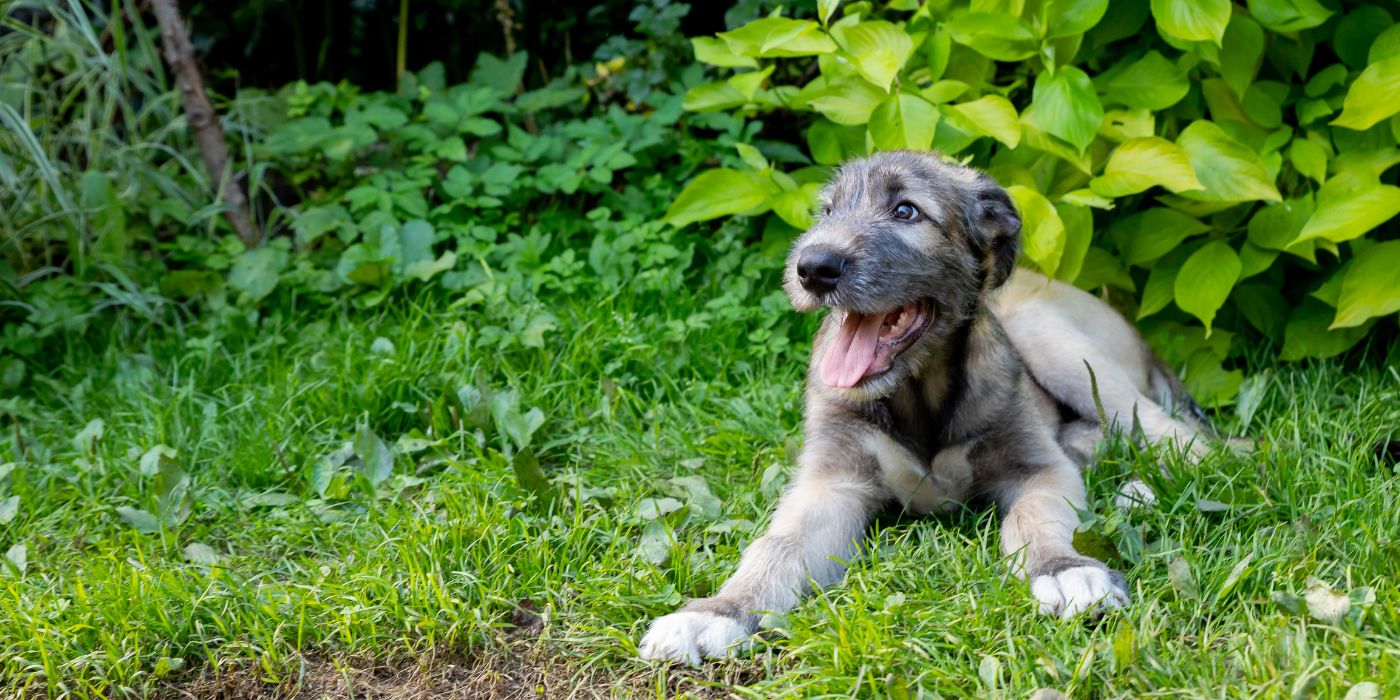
x=1209 y=166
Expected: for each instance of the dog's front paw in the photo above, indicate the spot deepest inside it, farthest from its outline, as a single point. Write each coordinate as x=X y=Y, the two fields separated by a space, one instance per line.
x=1080 y=589
x=687 y=636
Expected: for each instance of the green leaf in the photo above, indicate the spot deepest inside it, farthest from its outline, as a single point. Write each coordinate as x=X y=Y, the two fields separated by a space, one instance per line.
x=1241 y=53
x=1357 y=31
x=748 y=83
x=710 y=97
x=1192 y=20
x=1288 y=16
x=501 y=75
x=1042 y=231
x=1148 y=235
x=152 y=461
x=255 y=271
x=848 y=101
x=1348 y=206
x=697 y=494
x=9 y=508
x=1309 y=334
x=775 y=37
x=377 y=463
x=903 y=121
x=1309 y=158
x=16 y=560
x=1152 y=82
x=1079 y=233
x=716 y=52
x=1387 y=45
x=1069 y=17
x=1206 y=279
x=139 y=519
x=1276 y=226
x=200 y=553
x=1000 y=36
x=1263 y=307
x=879 y=48
x=716 y=193
x=1371 y=287
x=1065 y=105
x=531 y=477
x=1159 y=290
x=831 y=143
x=1229 y=170
x=1371 y=96
x=1102 y=269
x=991 y=115
x=826 y=8
x=795 y=206
x=1138 y=164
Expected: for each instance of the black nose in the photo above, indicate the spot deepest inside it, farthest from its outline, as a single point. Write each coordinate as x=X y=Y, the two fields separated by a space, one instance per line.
x=820 y=270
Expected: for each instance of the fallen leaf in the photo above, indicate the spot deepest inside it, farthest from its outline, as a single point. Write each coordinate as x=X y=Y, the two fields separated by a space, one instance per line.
x=1326 y=605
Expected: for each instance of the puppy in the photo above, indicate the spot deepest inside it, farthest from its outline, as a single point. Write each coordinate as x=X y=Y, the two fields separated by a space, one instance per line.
x=941 y=373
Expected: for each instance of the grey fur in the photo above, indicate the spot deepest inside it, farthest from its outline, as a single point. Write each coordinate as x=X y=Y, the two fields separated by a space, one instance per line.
x=991 y=400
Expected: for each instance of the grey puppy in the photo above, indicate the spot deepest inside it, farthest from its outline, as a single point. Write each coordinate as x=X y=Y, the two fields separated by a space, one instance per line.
x=942 y=373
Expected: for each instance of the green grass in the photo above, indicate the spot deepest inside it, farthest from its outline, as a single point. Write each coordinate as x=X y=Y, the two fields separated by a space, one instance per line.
x=433 y=560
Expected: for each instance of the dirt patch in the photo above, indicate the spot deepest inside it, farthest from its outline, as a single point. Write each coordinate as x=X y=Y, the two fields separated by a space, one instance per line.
x=514 y=674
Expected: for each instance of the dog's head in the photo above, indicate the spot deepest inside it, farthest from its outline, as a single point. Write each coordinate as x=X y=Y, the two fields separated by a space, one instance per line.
x=904 y=248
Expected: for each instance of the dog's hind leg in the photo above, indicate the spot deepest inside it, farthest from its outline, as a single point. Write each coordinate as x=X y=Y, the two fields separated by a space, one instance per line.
x=1064 y=373
x=816 y=528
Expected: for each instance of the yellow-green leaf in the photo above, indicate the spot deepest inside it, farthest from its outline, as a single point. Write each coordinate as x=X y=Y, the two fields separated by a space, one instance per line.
x=1042 y=231
x=991 y=115
x=719 y=192
x=716 y=52
x=1148 y=235
x=1192 y=20
x=1371 y=287
x=1069 y=17
x=1309 y=158
x=1065 y=105
x=848 y=101
x=795 y=206
x=1287 y=16
x=996 y=35
x=1229 y=170
x=1205 y=281
x=879 y=48
x=1138 y=164
x=773 y=37
x=1372 y=96
x=1349 y=205
x=1151 y=82
x=903 y=121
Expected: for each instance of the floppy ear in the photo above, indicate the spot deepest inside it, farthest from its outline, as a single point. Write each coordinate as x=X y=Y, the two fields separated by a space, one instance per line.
x=994 y=225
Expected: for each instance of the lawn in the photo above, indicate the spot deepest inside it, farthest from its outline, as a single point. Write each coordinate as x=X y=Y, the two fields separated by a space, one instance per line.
x=352 y=518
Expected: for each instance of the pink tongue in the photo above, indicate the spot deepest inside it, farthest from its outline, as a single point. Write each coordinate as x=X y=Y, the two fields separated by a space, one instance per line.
x=852 y=351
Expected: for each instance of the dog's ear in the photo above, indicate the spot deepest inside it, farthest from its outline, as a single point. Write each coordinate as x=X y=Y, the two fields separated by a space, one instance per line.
x=994 y=226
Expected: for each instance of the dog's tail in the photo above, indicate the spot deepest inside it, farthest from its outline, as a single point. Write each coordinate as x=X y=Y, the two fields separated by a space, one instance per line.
x=1172 y=395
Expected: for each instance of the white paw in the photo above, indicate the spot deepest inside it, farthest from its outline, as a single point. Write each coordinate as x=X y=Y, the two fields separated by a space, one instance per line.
x=1134 y=494
x=1077 y=590
x=686 y=636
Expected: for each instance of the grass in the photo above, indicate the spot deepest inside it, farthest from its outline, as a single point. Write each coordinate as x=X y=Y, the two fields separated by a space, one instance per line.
x=433 y=564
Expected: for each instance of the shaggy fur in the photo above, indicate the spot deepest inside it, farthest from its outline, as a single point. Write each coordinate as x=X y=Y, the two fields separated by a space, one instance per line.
x=990 y=398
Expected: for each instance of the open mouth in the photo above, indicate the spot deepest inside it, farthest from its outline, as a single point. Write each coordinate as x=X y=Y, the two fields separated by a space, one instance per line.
x=867 y=344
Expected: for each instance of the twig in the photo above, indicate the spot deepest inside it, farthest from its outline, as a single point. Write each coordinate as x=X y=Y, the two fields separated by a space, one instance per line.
x=179 y=53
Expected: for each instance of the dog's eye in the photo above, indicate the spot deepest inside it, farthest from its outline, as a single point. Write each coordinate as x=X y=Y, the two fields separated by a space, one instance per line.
x=826 y=210
x=906 y=211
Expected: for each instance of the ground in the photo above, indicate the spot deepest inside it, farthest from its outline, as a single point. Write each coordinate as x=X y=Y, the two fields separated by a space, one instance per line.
x=465 y=545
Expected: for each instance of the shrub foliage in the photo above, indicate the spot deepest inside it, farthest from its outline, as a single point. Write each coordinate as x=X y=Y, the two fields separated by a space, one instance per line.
x=1209 y=165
